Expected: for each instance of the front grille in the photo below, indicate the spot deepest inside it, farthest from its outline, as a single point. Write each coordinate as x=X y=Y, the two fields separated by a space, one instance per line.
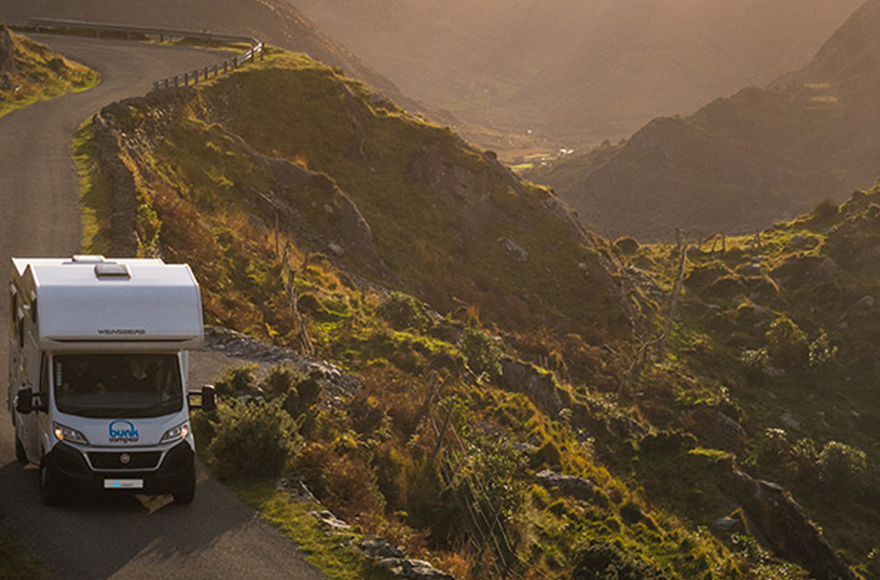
x=113 y=459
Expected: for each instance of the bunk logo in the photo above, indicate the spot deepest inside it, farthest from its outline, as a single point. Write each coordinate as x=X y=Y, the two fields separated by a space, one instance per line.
x=123 y=432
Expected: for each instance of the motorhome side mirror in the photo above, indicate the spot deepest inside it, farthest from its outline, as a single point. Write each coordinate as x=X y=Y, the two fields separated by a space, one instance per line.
x=206 y=399
x=209 y=400
x=24 y=402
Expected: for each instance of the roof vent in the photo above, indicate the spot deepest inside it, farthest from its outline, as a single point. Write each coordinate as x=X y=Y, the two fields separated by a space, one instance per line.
x=112 y=270
x=87 y=259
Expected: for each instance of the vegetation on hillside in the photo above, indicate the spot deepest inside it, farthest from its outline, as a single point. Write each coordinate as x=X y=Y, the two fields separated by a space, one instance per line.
x=35 y=73
x=498 y=346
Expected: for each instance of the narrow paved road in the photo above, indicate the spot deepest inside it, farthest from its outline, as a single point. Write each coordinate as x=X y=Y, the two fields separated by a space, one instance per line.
x=217 y=537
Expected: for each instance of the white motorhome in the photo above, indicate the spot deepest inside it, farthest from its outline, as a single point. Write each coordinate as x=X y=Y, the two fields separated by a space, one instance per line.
x=98 y=372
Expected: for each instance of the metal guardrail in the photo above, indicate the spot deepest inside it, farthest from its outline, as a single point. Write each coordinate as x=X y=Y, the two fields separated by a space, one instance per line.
x=182 y=79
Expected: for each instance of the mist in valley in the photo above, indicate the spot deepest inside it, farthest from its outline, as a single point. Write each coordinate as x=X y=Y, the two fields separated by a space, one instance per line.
x=576 y=72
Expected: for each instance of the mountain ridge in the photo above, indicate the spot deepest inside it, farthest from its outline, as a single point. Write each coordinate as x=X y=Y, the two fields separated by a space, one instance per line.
x=760 y=155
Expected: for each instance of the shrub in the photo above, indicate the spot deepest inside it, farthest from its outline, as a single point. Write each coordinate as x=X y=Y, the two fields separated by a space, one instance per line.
x=627 y=245
x=787 y=345
x=281 y=378
x=755 y=362
x=403 y=312
x=822 y=352
x=604 y=561
x=480 y=351
x=257 y=439
x=825 y=210
x=842 y=468
x=236 y=379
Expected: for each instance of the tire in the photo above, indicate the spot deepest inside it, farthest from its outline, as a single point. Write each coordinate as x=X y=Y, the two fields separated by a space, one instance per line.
x=186 y=496
x=50 y=494
x=20 y=453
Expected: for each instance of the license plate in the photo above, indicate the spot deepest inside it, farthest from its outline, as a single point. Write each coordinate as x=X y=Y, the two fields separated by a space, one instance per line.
x=123 y=484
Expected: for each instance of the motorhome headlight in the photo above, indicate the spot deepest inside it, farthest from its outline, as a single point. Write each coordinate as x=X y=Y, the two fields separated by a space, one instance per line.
x=68 y=434
x=176 y=433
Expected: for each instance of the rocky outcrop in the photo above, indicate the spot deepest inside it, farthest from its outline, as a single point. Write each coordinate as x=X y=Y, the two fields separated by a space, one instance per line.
x=7 y=62
x=791 y=535
x=538 y=384
x=572 y=486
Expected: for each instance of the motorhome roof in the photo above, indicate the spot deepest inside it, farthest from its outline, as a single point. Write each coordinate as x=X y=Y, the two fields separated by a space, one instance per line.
x=89 y=298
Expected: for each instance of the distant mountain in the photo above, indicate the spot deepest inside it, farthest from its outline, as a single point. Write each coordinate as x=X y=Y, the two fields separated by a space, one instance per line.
x=742 y=162
x=274 y=21
x=578 y=71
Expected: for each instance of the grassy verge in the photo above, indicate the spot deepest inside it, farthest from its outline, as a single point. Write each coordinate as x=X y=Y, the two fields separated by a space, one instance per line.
x=94 y=193
x=333 y=554
x=42 y=74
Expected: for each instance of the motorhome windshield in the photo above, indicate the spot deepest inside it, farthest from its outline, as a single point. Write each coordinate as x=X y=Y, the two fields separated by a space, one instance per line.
x=117 y=385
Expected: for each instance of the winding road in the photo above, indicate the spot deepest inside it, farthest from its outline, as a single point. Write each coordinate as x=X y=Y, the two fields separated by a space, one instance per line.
x=136 y=538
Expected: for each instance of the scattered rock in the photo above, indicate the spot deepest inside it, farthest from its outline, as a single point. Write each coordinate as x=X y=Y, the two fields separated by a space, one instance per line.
x=336 y=249
x=378 y=549
x=790 y=421
x=725 y=525
x=576 y=487
x=414 y=569
x=331 y=521
x=237 y=345
x=513 y=248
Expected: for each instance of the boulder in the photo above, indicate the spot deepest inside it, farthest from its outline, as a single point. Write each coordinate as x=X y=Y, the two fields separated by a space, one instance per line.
x=570 y=485
x=331 y=521
x=538 y=384
x=414 y=569
x=378 y=549
x=787 y=529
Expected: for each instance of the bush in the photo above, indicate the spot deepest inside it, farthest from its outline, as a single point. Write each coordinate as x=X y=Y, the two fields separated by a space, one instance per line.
x=627 y=245
x=257 y=439
x=825 y=210
x=603 y=561
x=480 y=351
x=821 y=351
x=403 y=312
x=236 y=379
x=755 y=362
x=787 y=345
x=842 y=468
x=281 y=378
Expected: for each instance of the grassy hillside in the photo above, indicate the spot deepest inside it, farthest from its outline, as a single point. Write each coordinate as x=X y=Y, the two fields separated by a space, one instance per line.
x=493 y=339
x=740 y=163
x=30 y=72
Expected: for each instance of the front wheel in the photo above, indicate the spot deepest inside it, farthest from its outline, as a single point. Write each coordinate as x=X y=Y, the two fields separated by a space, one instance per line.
x=186 y=496
x=50 y=494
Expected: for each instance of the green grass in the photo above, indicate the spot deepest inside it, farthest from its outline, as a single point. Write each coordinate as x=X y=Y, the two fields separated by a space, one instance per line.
x=42 y=75
x=333 y=554
x=94 y=193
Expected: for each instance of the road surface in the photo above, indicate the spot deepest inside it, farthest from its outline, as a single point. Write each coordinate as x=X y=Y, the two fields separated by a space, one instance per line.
x=136 y=538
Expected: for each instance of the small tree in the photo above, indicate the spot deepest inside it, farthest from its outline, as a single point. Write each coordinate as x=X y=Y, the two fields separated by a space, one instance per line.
x=480 y=351
x=842 y=468
x=403 y=311
x=257 y=439
x=787 y=345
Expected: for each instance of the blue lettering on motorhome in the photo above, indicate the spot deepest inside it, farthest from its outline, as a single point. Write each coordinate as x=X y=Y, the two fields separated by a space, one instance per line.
x=123 y=432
